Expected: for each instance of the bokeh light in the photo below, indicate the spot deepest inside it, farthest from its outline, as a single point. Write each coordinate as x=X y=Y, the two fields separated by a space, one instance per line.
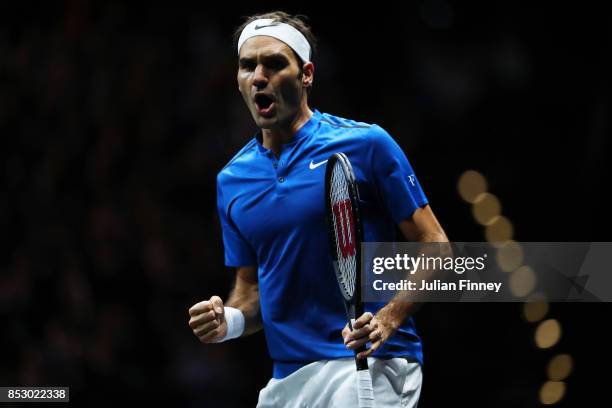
x=471 y=184
x=522 y=281
x=486 y=208
x=548 y=333
x=535 y=311
x=499 y=230
x=560 y=367
x=510 y=256
x=552 y=392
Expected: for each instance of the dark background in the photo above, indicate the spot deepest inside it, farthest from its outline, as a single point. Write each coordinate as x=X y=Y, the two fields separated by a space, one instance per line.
x=115 y=119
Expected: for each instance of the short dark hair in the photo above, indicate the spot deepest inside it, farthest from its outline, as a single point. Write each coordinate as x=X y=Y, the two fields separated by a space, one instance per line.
x=298 y=21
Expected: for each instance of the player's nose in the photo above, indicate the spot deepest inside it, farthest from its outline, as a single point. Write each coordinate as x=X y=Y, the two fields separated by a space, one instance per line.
x=260 y=79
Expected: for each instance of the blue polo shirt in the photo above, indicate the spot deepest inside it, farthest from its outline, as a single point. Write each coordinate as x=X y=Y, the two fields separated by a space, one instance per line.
x=272 y=215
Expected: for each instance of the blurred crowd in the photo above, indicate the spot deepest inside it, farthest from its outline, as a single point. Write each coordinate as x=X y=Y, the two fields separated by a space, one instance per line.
x=112 y=134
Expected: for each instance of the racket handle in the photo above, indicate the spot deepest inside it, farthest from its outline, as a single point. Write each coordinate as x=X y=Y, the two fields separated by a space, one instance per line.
x=365 y=391
x=361 y=363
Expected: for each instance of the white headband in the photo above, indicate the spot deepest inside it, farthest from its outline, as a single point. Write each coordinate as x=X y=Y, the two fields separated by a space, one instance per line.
x=281 y=31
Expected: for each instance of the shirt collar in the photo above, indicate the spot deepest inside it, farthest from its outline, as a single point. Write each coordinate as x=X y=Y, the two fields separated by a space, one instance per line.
x=302 y=132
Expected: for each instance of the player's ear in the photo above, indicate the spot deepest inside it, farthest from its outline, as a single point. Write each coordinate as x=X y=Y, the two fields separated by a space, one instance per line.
x=307 y=74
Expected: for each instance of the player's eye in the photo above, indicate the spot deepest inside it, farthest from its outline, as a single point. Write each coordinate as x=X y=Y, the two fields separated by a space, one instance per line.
x=277 y=64
x=247 y=65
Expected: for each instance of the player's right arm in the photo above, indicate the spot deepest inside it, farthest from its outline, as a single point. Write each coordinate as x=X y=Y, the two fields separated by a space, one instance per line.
x=207 y=318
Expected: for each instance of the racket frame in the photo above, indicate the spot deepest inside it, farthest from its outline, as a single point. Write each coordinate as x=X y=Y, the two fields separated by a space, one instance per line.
x=353 y=305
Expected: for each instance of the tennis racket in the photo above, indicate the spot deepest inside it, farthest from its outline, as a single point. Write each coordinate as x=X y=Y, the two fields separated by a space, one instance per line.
x=345 y=236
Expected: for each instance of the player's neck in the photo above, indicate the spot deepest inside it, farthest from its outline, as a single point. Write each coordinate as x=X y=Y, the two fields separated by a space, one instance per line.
x=274 y=139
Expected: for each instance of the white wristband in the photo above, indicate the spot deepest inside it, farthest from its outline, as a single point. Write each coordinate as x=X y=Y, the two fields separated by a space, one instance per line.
x=235 y=323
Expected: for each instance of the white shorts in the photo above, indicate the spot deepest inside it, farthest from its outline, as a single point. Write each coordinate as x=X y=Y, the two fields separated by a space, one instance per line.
x=333 y=383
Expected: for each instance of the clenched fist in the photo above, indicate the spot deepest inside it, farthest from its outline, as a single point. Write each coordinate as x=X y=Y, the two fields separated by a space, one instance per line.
x=207 y=320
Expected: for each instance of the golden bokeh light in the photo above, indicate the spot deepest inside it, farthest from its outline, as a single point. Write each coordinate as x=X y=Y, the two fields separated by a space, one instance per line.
x=560 y=367
x=486 y=208
x=471 y=184
x=535 y=311
x=548 y=333
x=499 y=230
x=522 y=281
x=510 y=256
x=552 y=392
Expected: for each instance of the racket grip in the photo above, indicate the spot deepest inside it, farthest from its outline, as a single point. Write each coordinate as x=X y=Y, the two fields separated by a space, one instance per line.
x=361 y=363
x=365 y=391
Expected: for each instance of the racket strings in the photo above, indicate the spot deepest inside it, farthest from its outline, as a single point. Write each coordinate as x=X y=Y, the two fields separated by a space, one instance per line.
x=344 y=230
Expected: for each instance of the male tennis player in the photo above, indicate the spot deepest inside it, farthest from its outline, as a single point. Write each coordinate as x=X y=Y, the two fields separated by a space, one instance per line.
x=272 y=212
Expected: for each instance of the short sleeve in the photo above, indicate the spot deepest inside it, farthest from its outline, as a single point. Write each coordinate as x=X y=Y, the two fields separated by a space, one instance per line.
x=396 y=182
x=238 y=252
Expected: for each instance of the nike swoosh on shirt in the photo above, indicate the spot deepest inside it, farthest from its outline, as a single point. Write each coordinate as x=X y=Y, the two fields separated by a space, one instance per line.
x=314 y=165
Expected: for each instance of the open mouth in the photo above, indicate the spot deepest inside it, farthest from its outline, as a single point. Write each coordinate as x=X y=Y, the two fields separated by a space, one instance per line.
x=264 y=104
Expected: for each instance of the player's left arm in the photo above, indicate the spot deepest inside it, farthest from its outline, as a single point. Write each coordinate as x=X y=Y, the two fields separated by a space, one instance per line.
x=423 y=227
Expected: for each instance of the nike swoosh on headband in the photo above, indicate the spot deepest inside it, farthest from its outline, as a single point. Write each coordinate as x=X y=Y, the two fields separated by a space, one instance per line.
x=257 y=27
